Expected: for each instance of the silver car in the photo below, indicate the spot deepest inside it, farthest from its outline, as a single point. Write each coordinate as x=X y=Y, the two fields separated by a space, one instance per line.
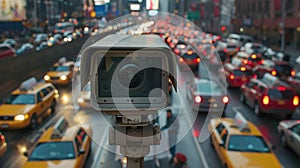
x=290 y=134
x=84 y=98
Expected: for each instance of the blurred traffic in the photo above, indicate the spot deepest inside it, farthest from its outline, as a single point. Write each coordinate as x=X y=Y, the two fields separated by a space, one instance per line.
x=248 y=91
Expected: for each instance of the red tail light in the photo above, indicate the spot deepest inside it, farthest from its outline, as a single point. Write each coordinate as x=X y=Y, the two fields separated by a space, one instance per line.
x=266 y=100
x=254 y=76
x=293 y=73
x=171 y=45
x=176 y=51
x=2 y=138
x=181 y=60
x=225 y=99
x=225 y=50
x=281 y=88
x=296 y=101
x=231 y=76
x=261 y=61
x=274 y=73
x=198 y=99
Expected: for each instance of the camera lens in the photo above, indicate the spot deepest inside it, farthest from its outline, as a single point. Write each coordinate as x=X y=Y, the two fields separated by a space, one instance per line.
x=131 y=76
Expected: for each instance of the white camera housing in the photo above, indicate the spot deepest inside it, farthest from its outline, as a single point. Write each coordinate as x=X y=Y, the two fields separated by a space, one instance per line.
x=128 y=74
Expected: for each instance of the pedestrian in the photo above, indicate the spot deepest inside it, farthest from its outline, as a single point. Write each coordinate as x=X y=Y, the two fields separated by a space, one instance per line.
x=180 y=161
x=172 y=127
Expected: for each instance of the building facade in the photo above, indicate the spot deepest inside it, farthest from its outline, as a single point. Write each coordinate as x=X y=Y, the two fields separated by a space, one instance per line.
x=264 y=20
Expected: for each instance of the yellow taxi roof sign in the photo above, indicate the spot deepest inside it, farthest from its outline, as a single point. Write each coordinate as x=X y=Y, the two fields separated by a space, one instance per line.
x=59 y=128
x=241 y=123
x=62 y=60
x=28 y=84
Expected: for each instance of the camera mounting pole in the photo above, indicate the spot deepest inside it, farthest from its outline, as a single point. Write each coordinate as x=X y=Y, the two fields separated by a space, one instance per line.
x=134 y=134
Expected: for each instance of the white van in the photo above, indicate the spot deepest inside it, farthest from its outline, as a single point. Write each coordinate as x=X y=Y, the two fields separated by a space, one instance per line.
x=63 y=27
x=239 y=40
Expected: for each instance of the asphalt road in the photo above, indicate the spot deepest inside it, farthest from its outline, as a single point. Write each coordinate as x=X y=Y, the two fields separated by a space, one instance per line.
x=192 y=125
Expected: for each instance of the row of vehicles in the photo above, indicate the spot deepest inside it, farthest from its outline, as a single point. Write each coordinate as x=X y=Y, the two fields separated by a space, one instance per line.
x=32 y=100
x=267 y=83
x=64 y=32
x=60 y=144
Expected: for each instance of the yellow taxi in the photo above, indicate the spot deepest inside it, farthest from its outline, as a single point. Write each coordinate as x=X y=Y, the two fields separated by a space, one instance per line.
x=28 y=104
x=3 y=144
x=61 y=146
x=239 y=143
x=61 y=73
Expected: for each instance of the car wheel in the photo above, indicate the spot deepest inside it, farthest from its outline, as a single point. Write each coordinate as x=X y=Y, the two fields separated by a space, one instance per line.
x=242 y=98
x=211 y=142
x=283 y=140
x=257 y=110
x=33 y=122
x=288 y=116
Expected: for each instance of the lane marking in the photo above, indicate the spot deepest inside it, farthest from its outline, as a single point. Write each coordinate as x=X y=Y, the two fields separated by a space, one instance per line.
x=97 y=158
x=199 y=149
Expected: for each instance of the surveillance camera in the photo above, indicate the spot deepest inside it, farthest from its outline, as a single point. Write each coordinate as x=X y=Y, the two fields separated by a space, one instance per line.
x=128 y=74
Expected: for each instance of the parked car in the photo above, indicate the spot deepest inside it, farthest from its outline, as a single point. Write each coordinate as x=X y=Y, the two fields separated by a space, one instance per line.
x=10 y=42
x=6 y=51
x=39 y=38
x=24 y=48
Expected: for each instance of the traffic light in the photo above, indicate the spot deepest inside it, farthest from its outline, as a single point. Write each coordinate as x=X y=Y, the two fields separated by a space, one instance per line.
x=223 y=28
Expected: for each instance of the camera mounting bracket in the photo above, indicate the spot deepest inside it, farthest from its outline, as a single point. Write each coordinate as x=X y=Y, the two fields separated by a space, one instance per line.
x=134 y=135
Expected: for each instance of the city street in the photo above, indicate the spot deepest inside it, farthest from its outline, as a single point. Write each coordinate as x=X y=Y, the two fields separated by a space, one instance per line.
x=58 y=58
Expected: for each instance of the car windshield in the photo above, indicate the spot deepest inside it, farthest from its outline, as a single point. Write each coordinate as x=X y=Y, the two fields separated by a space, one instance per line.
x=208 y=87
x=241 y=73
x=21 y=99
x=53 y=151
x=283 y=68
x=231 y=47
x=245 y=143
x=257 y=59
x=280 y=94
x=60 y=68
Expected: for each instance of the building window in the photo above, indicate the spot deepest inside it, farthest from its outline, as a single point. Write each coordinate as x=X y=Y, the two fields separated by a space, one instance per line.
x=259 y=7
x=289 y=5
x=267 y=7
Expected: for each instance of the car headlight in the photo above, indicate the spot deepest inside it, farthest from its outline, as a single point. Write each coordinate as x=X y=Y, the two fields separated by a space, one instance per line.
x=63 y=77
x=21 y=117
x=46 y=77
x=80 y=100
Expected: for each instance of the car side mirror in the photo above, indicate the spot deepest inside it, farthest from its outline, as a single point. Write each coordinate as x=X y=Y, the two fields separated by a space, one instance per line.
x=221 y=144
x=26 y=153
x=272 y=146
x=39 y=99
x=81 y=151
